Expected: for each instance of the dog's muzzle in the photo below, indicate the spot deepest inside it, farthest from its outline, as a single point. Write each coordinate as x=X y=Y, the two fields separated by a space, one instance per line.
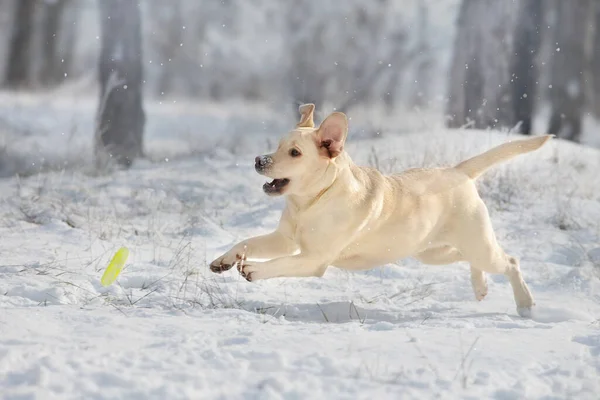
x=262 y=162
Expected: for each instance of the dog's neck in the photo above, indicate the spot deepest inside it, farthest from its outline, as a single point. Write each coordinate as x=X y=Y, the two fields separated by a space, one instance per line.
x=336 y=170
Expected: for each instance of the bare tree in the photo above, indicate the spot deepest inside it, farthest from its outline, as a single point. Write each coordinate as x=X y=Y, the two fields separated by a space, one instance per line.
x=307 y=75
x=424 y=65
x=120 y=118
x=595 y=62
x=168 y=42
x=394 y=79
x=524 y=77
x=19 y=57
x=479 y=87
x=567 y=69
x=56 y=61
x=331 y=62
x=366 y=61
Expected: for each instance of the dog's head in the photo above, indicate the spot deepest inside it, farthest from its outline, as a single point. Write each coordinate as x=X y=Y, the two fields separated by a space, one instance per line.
x=304 y=155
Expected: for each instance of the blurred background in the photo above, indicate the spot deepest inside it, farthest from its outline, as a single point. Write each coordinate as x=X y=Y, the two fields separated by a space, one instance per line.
x=125 y=79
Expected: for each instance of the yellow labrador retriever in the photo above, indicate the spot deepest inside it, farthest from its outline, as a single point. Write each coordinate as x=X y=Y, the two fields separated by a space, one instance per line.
x=355 y=218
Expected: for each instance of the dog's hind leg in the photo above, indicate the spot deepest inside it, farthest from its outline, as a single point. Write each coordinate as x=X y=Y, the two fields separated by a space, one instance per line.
x=447 y=255
x=479 y=283
x=477 y=242
x=440 y=255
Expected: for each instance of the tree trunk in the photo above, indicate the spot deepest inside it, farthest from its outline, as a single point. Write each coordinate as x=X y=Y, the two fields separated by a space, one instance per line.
x=567 y=69
x=306 y=80
x=69 y=39
x=54 y=68
x=595 y=62
x=307 y=77
x=120 y=118
x=527 y=43
x=424 y=73
x=17 y=70
x=479 y=87
x=172 y=21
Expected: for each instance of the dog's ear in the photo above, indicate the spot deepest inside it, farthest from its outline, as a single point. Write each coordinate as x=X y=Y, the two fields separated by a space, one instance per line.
x=306 y=118
x=332 y=133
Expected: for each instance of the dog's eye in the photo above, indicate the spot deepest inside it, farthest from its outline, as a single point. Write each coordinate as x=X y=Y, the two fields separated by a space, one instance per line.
x=295 y=153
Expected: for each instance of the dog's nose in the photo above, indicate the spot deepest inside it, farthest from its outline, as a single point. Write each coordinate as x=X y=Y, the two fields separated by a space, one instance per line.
x=262 y=162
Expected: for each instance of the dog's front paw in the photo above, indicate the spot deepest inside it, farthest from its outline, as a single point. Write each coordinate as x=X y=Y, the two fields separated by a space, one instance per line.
x=251 y=272
x=229 y=259
x=226 y=262
x=245 y=270
x=220 y=265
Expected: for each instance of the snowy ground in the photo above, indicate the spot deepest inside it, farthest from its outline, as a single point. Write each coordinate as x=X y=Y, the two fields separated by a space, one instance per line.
x=169 y=329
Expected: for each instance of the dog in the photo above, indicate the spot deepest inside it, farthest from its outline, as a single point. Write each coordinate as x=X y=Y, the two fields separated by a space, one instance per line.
x=355 y=218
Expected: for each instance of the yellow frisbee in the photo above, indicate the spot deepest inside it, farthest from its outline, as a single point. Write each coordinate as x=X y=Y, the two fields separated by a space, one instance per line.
x=114 y=268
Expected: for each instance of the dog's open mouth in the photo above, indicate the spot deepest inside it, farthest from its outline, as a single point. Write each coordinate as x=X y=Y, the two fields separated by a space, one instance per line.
x=275 y=186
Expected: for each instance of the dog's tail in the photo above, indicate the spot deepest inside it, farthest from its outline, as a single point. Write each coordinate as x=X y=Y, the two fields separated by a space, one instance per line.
x=474 y=167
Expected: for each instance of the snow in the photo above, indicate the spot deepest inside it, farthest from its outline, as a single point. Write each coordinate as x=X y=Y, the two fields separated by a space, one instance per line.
x=171 y=329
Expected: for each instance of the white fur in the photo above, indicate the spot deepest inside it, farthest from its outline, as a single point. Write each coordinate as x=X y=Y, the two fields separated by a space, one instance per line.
x=339 y=214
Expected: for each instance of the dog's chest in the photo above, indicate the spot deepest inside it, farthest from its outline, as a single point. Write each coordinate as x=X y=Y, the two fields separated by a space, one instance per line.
x=313 y=224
